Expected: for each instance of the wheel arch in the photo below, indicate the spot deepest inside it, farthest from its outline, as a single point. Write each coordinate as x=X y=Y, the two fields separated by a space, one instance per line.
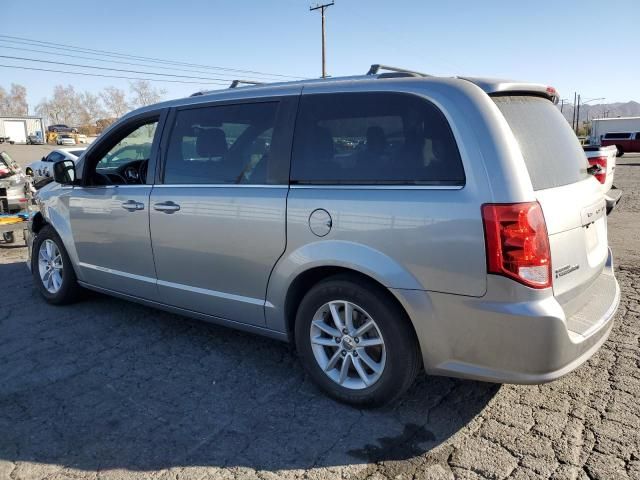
x=60 y=224
x=292 y=277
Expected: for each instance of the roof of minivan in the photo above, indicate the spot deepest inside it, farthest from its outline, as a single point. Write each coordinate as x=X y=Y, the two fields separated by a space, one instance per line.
x=488 y=85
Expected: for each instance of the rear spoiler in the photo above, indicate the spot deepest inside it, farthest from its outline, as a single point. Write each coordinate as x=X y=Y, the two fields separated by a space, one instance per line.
x=509 y=87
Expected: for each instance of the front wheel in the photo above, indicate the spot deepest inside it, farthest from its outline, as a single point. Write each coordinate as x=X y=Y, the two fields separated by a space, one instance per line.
x=52 y=270
x=355 y=342
x=620 y=151
x=8 y=237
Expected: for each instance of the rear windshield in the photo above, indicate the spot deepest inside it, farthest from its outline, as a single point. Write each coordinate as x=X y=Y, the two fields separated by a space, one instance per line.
x=550 y=149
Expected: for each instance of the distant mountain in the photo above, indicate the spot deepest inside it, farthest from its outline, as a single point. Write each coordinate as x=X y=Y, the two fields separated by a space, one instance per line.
x=610 y=110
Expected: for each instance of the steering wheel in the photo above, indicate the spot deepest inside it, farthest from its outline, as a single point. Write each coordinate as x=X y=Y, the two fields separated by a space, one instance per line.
x=142 y=171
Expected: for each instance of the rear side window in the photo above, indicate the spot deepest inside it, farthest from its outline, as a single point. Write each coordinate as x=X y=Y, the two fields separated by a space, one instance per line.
x=617 y=136
x=373 y=139
x=551 y=151
x=226 y=144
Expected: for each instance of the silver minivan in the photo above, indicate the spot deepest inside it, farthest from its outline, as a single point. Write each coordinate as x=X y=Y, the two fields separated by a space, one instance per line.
x=383 y=223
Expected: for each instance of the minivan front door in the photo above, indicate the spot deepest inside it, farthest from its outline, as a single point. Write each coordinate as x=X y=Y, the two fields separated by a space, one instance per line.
x=110 y=212
x=218 y=217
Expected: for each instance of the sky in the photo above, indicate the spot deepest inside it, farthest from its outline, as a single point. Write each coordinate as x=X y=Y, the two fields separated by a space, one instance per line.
x=572 y=45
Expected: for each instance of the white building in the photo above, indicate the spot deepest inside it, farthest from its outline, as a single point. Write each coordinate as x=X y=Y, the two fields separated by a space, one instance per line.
x=18 y=128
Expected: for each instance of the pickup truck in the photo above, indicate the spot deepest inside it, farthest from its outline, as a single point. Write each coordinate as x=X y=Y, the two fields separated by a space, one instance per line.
x=602 y=165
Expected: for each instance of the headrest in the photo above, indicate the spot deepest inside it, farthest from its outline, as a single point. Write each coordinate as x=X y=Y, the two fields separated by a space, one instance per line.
x=211 y=142
x=320 y=145
x=376 y=139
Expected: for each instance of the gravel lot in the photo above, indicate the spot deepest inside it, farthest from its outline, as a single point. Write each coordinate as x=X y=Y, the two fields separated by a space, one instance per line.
x=109 y=389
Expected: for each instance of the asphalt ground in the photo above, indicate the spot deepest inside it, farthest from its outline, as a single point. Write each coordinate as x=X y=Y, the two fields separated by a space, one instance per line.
x=109 y=389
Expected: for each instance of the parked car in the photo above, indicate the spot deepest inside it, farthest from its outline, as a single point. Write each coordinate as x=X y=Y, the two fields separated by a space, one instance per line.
x=12 y=185
x=602 y=161
x=43 y=168
x=65 y=140
x=82 y=138
x=625 y=142
x=61 y=128
x=454 y=239
x=35 y=139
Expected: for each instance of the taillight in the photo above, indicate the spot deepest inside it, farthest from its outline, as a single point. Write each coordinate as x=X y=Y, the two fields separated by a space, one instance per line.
x=517 y=242
x=601 y=175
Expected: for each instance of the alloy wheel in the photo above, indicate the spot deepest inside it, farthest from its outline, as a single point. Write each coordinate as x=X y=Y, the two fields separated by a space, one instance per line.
x=347 y=344
x=50 y=266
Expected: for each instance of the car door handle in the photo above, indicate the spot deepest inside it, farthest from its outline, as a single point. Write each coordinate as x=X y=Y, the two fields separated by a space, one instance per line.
x=132 y=205
x=166 y=207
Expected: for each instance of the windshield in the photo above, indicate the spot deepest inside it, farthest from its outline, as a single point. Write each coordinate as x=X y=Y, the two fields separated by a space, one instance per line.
x=77 y=153
x=550 y=149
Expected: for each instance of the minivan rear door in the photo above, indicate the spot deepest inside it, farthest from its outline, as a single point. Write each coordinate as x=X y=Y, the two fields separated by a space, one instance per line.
x=218 y=211
x=571 y=199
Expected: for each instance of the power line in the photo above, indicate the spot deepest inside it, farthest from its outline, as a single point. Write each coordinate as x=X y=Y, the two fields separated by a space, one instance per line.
x=107 y=53
x=172 y=68
x=66 y=64
x=110 y=76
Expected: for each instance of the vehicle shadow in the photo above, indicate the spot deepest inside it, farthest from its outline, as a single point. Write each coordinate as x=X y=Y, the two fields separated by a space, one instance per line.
x=108 y=384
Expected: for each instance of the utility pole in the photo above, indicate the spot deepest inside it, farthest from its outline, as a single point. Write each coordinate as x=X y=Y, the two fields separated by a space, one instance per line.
x=578 y=116
x=573 y=119
x=322 y=8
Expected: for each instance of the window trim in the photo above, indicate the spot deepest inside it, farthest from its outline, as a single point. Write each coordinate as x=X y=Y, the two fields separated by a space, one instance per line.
x=386 y=185
x=283 y=130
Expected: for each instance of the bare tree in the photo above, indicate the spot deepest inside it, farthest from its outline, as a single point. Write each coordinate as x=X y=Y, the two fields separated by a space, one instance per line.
x=90 y=109
x=14 y=102
x=63 y=107
x=4 y=102
x=18 y=100
x=142 y=93
x=115 y=101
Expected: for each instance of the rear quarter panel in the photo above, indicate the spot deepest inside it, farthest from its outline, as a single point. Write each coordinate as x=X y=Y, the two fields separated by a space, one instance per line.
x=414 y=238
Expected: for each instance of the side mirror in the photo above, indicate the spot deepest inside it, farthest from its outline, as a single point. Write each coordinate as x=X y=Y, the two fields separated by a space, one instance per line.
x=64 y=172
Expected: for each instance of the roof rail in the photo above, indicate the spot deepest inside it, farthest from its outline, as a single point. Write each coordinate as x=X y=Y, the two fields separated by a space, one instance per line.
x=396 y=72
x=235 y=83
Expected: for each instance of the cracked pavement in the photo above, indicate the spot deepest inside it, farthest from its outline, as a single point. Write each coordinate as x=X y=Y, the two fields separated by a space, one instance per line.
x=106 y=389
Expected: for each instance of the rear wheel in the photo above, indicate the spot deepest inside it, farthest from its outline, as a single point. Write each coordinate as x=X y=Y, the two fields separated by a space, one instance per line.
x=355 y=342
x=620 y=151
x=29 y=172
x=8 y=237
x=52 y=270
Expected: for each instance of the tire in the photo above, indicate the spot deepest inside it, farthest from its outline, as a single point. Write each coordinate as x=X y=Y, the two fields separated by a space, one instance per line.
x=397 y=360
x=8 y=237
x=620 y=151
x=29 y=172
x=68 y=290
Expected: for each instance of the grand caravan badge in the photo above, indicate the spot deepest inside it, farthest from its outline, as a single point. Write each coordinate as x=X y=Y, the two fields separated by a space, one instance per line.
x=566 y=270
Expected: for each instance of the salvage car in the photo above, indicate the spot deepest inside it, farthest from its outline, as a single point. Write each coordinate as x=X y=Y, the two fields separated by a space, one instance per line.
x=12 y=185
x=602 y=161
x=64 y=139
x=43 y=168
x=453 y=240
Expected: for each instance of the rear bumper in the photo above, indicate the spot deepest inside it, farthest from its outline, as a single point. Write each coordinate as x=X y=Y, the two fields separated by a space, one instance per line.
x=612 y=197
x=501 y=340
x=16 y=199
